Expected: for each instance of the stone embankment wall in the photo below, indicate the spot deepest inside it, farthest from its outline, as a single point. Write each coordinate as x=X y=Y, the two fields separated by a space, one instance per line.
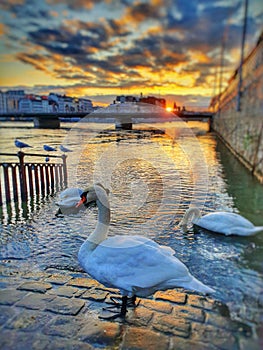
x=242 y=130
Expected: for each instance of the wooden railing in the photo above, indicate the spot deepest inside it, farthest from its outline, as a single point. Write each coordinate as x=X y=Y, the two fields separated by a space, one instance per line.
x=23 y=181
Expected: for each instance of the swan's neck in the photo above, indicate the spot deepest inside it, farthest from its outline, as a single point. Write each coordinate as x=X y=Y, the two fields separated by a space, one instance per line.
x=191 y=215
x=101 y=230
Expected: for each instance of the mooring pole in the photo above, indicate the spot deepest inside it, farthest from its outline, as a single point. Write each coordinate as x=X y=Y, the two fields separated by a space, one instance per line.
x=65 y=174
x=22 y=174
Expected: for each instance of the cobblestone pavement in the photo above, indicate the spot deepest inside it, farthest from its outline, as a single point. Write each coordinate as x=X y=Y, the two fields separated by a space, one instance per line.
x=57 y=309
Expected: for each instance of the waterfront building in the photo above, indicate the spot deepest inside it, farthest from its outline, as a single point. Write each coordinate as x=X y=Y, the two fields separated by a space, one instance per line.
x=3 y=105
x=85 y=105
x=16 y=101
x=12 y=100
x=161 y=102
x=34 y=104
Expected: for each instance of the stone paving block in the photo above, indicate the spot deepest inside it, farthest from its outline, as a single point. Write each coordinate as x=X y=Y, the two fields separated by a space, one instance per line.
x=9 y=282
x=178 y=343
x=172 y=296
x=200 y=302
x=65 y=306
x=6 y=313
x=140 y=338
x=11 y=340
x=35 y=286
x=64 y=326
x=223 y=322
x=105 y=289
x=99 y=333
x=117 y=297
x=57 y=343
x=10 y=296
x=190 y=313
x=67 y=291
x=38 y=341
x=218 y=337
x=170 y=324
x=251 y=344
x=83 y=282
x=35 y=301
x=36 y=275
x=58 y=278
x=28 y=321
x=139 y=316
x=95 y=294
x=159 y=306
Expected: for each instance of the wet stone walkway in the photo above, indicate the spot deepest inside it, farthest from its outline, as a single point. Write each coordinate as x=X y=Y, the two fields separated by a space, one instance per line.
x=59 y=309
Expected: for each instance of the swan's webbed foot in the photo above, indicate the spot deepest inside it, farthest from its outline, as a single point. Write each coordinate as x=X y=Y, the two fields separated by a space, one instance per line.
x=119 y=303
x=116 y=302
x=121 y=313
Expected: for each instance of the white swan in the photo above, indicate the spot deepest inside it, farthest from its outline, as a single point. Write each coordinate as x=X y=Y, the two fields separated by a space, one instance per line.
x=67 y=201
x=135 y=265
x=220 y=222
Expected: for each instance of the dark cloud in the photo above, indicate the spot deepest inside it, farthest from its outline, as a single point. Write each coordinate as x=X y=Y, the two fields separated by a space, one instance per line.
x=142 y=11
x=156 y=36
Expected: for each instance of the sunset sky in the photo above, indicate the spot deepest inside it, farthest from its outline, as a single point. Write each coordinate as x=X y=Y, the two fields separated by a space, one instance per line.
x=100 y=49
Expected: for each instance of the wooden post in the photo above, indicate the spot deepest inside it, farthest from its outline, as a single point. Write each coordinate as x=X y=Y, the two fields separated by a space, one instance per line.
x=52 y=184
x=30 y=180
x=36 y=179
x=7 y=184
x=14 y=179
x=61 y=183
x=22 y=175
x=47 y=178
x=64 y=158
x=56 y=177
x=42 y=179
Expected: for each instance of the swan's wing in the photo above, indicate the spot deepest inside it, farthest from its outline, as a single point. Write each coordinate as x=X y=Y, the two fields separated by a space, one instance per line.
x=225 y=222
x=141 y=266
x=132 y=241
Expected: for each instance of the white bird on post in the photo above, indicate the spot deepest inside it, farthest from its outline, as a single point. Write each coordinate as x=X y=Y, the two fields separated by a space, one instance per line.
x=20 y=144
x=64 y=149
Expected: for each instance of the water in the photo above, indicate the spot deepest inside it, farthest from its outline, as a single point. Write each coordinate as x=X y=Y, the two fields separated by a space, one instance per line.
x=153 y=178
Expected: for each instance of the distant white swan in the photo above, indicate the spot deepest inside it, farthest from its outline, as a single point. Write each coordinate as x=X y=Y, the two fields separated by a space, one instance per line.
x=67 y=201
x=220 y=222
x=135 y=265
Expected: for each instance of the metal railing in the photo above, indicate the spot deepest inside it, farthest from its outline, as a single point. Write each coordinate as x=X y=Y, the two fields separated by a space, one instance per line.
x=22 y=182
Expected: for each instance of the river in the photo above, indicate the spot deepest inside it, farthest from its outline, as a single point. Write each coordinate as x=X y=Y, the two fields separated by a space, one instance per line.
x=154 y=173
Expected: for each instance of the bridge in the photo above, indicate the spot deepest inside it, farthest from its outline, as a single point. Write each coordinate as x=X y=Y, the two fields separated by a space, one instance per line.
x=43 y=120
x=124 y=114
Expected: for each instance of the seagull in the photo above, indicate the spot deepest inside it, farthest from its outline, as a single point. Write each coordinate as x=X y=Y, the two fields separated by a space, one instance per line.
x=49 y=148
x=64 y=149
x=20 y=144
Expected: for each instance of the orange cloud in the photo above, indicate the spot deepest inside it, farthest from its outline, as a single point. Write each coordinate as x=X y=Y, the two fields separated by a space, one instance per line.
x=2 y=29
